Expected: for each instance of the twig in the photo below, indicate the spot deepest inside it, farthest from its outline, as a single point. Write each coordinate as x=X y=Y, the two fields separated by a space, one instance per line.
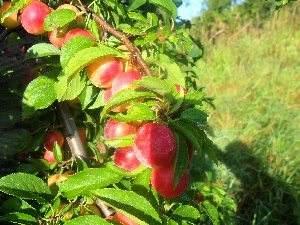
x=107 y=211
x=4 y=34
x=70 y=131
x=122 y=37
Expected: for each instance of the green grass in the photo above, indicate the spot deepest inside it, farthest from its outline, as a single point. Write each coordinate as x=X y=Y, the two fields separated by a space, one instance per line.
x=255 y=81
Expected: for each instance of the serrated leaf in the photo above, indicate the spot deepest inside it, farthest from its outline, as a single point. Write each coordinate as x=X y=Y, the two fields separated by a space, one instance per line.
x=130 y=204
x=39 y=94
x=141 y=184
x=87 y=220
x=156 y=85
x=87 y=95
x=98 y=100
x=136 y=4
x=137 y=111
x=190 y=132
x=86 y=56
x=137 y=16
x=133 y=30
x=121 y=142
x=18 y=205
x=41 y=50
x=25 y=186
x=19 y=218
x=124 y=173
x=74 y=45
x=166 y=4
x=75 y=85
x=179 y=100
x=124 y=96
x=211 y=210
x=14 y=141
x=181 y=158
x=186 y=213
x=57 y=152
x=58 y=18
x=194 y=98
x=87 y=180
x=194 y=115
x=207 y=146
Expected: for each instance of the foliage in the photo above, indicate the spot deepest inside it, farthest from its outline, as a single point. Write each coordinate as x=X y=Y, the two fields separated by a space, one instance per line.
x=47 y=88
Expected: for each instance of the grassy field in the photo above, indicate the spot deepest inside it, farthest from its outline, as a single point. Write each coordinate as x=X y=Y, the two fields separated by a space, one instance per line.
x=255 y=80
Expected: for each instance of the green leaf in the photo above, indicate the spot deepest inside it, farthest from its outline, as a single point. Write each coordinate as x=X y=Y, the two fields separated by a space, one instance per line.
x=39 y=94
x=186 y=213
x=98 y=100
x=68 y=88
x=133 y=30
x=58 y=18
x=121 y=142
x=124 y=173
x=74 y=45
x=87 y=220
x=87 y=180
x=166 y=4
x=137 y=111
x=41 y=50
x=125 y=96
x=181 y=158
x=190 y=132
x=136 y=4
x=194 y=98
x=174 y=72
x=156 y=85
x=87 y=95
x=141 y=184
x=130 y=204
x=210 y=210
x=19 y=218
x=57 y=152
x=17 y=205
x=86 y=56
x=13 y=141
x=25 y=186
x=137 y=16
x=194 y=115
x=207 y=146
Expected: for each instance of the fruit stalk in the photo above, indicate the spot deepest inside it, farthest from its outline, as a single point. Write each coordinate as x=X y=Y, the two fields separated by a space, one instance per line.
x=70 y=131
x=122 y=37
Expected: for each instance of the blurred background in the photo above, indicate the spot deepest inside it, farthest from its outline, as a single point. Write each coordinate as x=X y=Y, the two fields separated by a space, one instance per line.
x=251 y=67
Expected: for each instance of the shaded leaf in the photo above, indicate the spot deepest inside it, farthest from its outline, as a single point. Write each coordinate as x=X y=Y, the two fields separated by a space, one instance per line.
x=187 y=213
x=19 y=218
x=41 y=50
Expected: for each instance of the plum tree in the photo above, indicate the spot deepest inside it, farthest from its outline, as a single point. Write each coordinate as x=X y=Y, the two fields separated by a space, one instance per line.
x=103 y=72
x=33 y=16
x=155 y=145
x=162 y=180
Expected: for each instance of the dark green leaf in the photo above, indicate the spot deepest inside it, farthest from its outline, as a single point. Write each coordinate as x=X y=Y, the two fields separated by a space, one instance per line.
x=190 y=132
x=25 y=186
x=181 y=158
x=207 y=146
x=17 y=205
x=9 y=115
x=14 y=141
x=186 y=213
x=130 y=204
x=41 y=50
x=87 y=180
x=194 y=115
x=19 y=218
x=137 y=111
x=87 y=220
x=58 y=18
